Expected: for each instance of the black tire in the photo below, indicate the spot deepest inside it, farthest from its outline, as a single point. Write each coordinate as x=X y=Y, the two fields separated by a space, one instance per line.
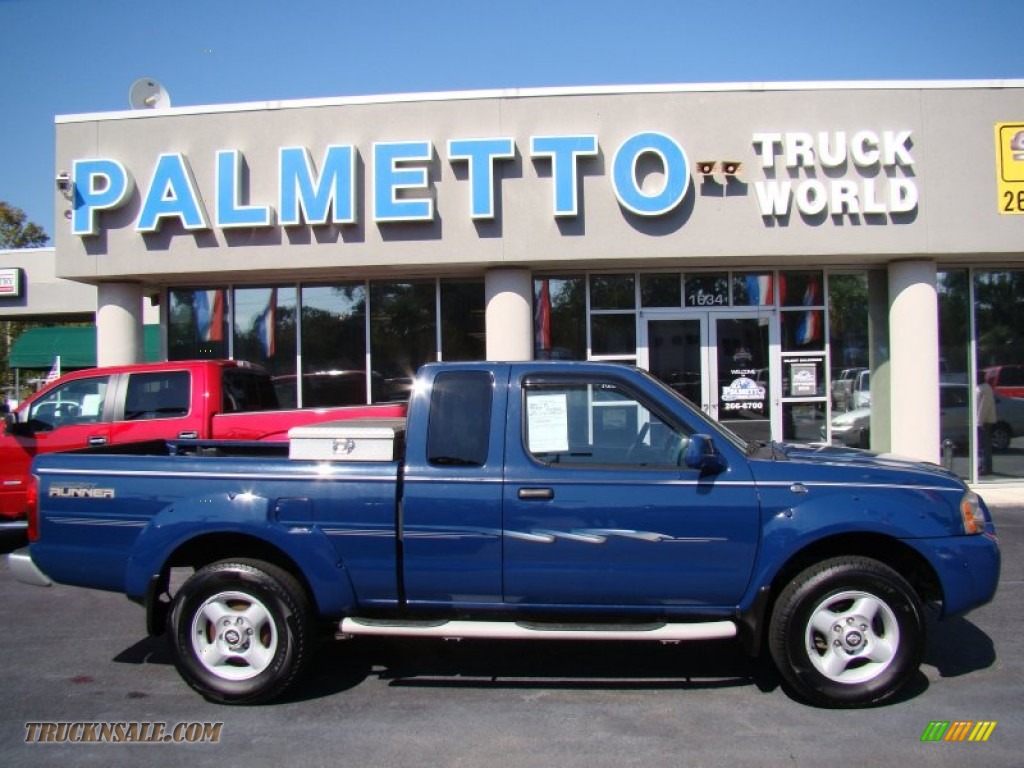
x=241 y=631
x=847 y=632
x=1001 y=436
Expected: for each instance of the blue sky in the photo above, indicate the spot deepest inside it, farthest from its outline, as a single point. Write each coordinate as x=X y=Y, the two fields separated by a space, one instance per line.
x=72 y=56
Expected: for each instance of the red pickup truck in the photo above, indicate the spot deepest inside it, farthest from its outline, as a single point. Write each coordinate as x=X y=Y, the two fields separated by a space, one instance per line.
x=1006 y=380
x=200 y=399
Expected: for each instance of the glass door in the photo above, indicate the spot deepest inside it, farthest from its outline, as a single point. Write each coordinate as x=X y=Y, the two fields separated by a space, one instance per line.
x=721 y=363
x=742 y=380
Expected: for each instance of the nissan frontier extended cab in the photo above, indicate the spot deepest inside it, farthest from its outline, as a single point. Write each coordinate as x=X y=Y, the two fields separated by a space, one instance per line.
x=534 y=500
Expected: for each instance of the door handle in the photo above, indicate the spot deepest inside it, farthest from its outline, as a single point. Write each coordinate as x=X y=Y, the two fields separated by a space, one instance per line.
x=536 y=494
x=190 y=435
x=97 y=440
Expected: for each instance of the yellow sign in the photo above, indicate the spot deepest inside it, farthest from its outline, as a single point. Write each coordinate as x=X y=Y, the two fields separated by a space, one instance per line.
x=1010 y=167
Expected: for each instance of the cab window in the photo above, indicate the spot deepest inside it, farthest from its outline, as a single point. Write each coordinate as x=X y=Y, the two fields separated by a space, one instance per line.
x=161 y=395
x=76 y=402
x=597 y=424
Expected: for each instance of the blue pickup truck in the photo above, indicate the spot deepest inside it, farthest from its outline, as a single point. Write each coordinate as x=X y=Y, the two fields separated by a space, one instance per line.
x=547 y=500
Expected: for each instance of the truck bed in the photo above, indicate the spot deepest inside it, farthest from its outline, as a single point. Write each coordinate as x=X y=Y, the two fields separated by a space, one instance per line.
x=105 y=506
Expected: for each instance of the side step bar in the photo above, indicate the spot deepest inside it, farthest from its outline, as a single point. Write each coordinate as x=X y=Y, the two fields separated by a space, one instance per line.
x=509 y=630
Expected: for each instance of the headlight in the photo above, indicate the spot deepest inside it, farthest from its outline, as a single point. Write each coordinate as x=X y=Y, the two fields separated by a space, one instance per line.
x=970 y=512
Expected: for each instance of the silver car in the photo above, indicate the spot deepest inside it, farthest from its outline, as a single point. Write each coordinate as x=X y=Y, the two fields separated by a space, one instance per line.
x=853 y=428
x=842 y=389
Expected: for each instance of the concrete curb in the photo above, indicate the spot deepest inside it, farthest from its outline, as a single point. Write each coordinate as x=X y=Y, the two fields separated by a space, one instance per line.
x=1000 y=495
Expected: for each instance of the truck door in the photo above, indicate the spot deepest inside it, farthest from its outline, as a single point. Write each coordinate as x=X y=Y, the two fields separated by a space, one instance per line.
x=73 y=415
x=451 y=509
x=600 y=511
x=155 y=405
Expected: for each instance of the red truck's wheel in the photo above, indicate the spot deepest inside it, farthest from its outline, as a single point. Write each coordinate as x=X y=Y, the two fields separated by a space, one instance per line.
x=241 y=631
x=847 y=632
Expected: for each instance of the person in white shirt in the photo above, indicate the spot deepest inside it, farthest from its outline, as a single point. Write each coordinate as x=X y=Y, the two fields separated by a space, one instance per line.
x=986 y=406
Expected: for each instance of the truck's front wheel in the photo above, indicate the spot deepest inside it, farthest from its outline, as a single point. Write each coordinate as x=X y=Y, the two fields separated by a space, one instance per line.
x=241 y=631
x=847 y=632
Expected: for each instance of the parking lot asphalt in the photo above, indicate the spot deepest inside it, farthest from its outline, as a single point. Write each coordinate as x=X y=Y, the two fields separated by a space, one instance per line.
x=74 y=655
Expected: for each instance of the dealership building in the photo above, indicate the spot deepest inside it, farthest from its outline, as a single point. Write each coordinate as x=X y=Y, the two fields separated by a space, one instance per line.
x=799 y=259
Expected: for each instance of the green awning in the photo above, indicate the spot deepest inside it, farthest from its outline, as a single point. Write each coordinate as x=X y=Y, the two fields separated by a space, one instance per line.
x=76 y=345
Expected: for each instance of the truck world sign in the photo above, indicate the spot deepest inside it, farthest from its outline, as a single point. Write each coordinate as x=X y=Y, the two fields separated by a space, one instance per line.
x=650 y=177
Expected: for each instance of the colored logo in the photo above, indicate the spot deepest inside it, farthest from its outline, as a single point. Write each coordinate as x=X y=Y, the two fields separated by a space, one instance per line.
x=958 y=730
x=743 y=389
x=1017 y=146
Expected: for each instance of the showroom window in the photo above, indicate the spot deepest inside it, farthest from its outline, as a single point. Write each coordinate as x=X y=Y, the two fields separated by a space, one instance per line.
x=849 y=351
x=198 y=327
x=804 y=382
x=999 y=345
x=403 y=332
x=347 y=356
x=613 y=317
x=953 y=293
x=463 y=325
x=560 y=318
x=333 y=345
x=265 y=333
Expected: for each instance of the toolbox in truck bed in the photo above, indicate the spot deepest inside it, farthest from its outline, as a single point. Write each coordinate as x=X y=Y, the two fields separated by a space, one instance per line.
x=355 y=440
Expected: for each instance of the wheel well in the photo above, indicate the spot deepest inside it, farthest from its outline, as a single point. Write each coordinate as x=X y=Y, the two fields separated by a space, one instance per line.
x=910 y=564
x=903 y=559
x=204 y=550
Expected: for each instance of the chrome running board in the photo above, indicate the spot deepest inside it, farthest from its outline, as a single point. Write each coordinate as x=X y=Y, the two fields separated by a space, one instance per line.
x=509 y=630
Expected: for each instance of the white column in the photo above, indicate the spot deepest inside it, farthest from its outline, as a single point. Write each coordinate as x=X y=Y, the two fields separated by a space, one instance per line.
x=878 y=361
x=914 y=360
x=118 y=324
x=509 y=296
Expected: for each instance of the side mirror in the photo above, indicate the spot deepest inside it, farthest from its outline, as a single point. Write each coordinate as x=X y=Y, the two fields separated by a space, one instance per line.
x=701 y=454
x=17 y=428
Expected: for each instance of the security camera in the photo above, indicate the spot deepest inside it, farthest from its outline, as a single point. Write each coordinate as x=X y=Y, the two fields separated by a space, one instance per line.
x=64 y=182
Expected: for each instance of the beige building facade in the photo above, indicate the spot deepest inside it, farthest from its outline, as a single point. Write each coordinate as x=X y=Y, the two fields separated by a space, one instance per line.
x=757 y=246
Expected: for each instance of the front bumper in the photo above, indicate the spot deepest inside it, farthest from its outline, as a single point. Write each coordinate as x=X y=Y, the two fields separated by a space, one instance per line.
x=24 y=569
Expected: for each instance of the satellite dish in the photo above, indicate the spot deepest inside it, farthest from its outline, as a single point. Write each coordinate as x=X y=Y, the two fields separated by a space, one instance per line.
x=147 y=93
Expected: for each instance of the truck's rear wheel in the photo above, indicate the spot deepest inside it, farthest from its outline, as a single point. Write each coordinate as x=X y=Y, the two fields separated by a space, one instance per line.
x=240 y=631
x=847 y=632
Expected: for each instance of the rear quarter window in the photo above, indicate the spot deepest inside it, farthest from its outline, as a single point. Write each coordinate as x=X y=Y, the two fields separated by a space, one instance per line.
x=247 y=391
x=459 y=429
